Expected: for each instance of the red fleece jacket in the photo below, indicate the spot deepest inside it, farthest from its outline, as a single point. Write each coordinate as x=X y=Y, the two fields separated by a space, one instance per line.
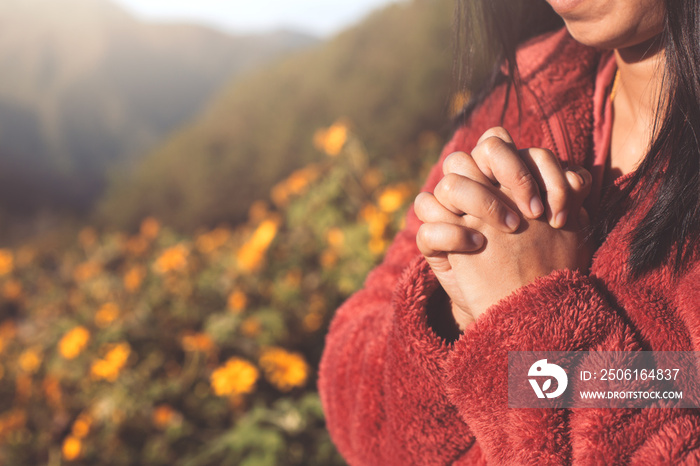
x=395 y=393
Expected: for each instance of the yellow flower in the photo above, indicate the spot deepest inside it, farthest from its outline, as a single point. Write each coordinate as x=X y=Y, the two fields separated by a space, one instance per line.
x=237 y=301
x=107 y=314
x=12 y=290
x=150 y=227
x=30 y=360
x=87 y=237
x=283 y=369
x=235 y=377
x=81 y=426
x=252 y=253
x=7 y=261
x=73 y=342
x=173 y=259
x=133 y=278
x=393 y=197
x=109 y=367
x=331 y=140
x=71 y=448
x=197 y=342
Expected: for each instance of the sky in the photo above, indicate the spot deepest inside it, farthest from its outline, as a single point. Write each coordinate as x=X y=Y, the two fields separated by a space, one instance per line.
x=318 y=17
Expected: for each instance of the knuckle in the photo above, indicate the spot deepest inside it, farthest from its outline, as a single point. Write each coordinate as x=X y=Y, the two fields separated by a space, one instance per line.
x=449 y=183
x=423 y=237
x=524 y=180
x=491 y=146
x=451 y=161
x=492 y=206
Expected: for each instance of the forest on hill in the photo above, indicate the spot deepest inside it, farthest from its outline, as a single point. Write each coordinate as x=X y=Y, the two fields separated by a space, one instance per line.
x=85 y=87
x=389 y=78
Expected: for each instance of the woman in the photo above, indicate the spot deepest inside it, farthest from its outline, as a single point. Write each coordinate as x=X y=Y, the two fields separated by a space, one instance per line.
x=415 y=367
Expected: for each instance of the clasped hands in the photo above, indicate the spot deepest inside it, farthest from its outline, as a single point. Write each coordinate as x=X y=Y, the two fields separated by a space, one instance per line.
x=499 y=219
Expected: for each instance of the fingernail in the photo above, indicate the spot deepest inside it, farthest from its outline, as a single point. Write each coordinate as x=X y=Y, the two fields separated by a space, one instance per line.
x=560 y=221
x=580 y=178
x=512 y=221
x=536 y=206
x=477 y=240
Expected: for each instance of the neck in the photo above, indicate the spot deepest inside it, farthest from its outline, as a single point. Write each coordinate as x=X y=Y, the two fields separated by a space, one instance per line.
x=639 y=87
x=641 y=78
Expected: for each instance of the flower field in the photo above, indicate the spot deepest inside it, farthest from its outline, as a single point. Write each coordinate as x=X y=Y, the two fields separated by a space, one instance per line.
x=157 y=348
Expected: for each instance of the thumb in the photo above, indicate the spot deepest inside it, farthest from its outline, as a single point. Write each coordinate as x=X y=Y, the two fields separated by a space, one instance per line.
x=580 y=182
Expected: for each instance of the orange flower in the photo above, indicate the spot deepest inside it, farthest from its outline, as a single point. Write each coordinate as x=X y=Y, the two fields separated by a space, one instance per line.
x=133 y=278
x=293 y=278
x=328 y=259
x=109 y=367
x=252 y=253
x=257 y=212
x=52 y=391
x=107 y=314
x=137 y=245
x=30 y=360
x=86 y=271
x=332 y=140
x=197 y=342
x=71 y=448
x=283 y=369
x=11 y=421
x=335 y=237
x=459 y=101
x=73 y=342
x=172 y=259
x=393 y=197
x=251 y=327
x=7 y=261
x=312 y=321
x=12 y=290
x=163 y=416
x=208 y=243
x=150 y=227
x=81 y=426
x=237 y=301
x=87 y=237
x=236 y=377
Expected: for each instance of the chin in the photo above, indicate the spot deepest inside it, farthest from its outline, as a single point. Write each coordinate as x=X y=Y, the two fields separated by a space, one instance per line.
x=602 y=37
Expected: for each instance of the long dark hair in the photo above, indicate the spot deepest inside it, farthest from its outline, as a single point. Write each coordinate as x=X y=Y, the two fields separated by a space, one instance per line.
x=671 y=168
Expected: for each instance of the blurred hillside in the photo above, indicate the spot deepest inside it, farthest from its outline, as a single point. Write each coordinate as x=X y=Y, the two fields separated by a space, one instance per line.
x=390 y=77
x=84 y=86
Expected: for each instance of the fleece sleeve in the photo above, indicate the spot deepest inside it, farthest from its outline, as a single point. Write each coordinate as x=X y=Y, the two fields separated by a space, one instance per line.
x=565 y=311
